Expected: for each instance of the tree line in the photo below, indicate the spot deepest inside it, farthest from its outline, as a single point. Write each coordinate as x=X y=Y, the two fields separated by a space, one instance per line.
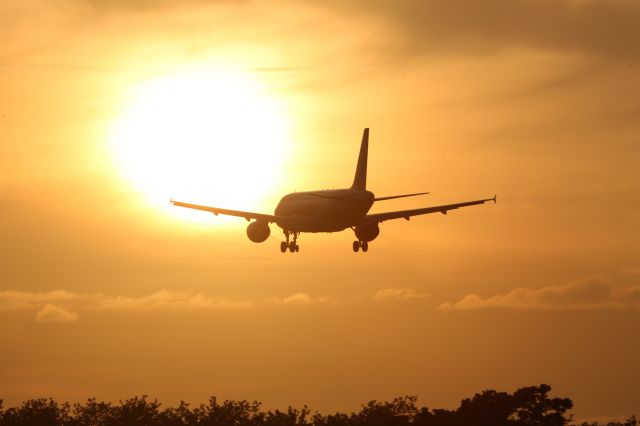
x=528 y=406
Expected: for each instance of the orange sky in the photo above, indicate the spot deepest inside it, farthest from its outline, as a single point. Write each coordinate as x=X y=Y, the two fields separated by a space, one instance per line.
x=109 y=109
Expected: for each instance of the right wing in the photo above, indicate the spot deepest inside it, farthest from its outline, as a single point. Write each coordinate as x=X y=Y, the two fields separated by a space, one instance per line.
x=216 y=211
x=406 y=214
x=391 y=197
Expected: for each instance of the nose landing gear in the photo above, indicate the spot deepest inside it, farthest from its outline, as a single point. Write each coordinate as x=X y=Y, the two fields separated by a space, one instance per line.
x=291 y=245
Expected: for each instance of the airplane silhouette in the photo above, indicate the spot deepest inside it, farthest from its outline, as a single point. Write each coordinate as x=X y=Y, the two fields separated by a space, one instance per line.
x=329 y=211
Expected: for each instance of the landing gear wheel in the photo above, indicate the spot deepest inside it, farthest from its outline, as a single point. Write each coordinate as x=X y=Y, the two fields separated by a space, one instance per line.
x=356 y=246
x=283 y=246
x=365 y=246
x=297 y=248
x=292 y=246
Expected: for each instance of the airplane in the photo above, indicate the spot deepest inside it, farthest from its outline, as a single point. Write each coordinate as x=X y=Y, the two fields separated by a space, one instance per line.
x=330 y=211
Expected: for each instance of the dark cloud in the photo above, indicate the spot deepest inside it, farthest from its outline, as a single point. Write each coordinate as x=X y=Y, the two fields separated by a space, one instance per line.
x=608 y=28
x=596 y=27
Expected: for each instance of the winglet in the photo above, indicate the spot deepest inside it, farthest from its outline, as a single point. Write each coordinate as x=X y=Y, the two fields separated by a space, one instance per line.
x=494 y=199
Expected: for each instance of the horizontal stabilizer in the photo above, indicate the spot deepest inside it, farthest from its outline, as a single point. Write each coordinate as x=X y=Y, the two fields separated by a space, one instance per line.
x=391 y=197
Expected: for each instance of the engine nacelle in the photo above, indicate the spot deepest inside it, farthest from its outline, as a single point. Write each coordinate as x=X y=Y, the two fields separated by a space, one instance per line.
x=258 y=231
x=367 y=232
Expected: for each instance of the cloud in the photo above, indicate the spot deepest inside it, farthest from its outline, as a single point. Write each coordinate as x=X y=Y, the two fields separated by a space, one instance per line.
x=587 y=293
x=168 y=299
x=631 y=270
x=18 y=300
x=398 y=293
x=385 y=294
x=606 y=28
x=63 y=306
x=300 y=299
x=54 y=313
x=48 y=304
x=596 y=27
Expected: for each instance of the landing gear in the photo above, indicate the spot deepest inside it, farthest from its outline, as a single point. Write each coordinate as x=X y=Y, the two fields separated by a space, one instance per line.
x=291 y=245
x=357 y=245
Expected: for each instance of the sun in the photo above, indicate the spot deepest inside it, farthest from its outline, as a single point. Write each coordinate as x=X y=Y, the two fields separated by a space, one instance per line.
x=216 y=137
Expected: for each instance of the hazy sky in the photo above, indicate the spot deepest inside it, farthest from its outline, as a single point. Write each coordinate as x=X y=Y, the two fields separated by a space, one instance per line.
x=109 y=108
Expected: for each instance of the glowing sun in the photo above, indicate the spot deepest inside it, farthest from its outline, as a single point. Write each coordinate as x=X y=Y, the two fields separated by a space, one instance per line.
x=215 y=137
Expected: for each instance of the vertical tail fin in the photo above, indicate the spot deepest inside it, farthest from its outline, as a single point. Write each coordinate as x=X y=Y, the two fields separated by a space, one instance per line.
x=360 y=179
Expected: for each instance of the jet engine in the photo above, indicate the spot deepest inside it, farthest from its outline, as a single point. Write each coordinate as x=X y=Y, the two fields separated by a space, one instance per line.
x=258 y=231
x=367 y=232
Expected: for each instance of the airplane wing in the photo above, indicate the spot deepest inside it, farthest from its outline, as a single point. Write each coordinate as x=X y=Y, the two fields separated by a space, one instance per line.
x=392 y=197
x=216 y=211
x=406 y=214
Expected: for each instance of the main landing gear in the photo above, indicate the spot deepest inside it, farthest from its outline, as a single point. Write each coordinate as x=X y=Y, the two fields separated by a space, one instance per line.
x=291 y=245
x=357 y=245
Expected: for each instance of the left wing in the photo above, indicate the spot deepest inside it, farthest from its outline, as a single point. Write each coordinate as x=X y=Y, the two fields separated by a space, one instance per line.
x=406 y=214
x=216 y=211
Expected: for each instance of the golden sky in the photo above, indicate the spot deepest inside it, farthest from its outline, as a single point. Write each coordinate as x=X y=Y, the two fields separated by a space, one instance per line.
x=109 y=108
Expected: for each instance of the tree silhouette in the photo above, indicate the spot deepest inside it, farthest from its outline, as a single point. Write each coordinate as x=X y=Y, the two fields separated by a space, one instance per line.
x=93 y=413
x=37 y=412
x=528 y=406
x=337 y=419
x=534 y=407
x=399 y=412
x=231 y=413
x=631 y=421
x=489 y=408
x=178 y=416
x=136 y=411
x=292 y=417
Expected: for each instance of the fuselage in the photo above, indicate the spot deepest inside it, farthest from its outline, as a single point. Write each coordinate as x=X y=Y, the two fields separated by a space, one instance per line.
x=324 y=211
